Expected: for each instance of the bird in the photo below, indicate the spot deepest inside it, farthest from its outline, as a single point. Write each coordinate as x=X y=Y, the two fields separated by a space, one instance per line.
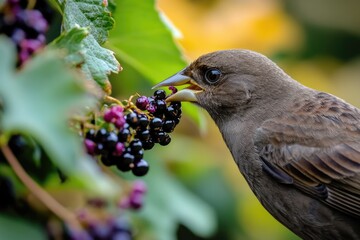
x=298 y=148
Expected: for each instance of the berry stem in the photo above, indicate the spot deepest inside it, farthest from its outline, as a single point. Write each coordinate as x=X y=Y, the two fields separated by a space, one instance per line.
x=130 y=105
x=53 y=205
x=110 y=99
x=81 y=118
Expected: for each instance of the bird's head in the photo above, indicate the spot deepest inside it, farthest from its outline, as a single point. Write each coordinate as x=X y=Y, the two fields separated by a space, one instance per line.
x=228 y=82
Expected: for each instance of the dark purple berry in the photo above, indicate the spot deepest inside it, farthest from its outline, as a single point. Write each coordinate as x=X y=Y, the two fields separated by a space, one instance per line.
x=149 y=144
x=138 y=155
x=143 y=135
x=127 y=158
x=123 y=167
x=168 y=126
x=108 y=160
x=140 y=168
x=178 y=113
x=156 y=123
x=125 y=162
x=132 y=119
x=158 y=136
x=176 y=120
x=165 y=141
x=151 y=100
x=124 y=135
x=173 y=89
x=142 y=102
x=100 y=149
x=171 y=112
x=128 y=149
x=160 y=106
x=176 y=105
x=90 y=134
x=135 y=145
x=101 y=135
x=160 y=94
x=151 y=108
x=111 y=141
x=143 y=121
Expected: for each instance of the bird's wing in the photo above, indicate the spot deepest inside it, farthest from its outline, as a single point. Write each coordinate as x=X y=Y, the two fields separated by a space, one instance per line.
x=318 y=153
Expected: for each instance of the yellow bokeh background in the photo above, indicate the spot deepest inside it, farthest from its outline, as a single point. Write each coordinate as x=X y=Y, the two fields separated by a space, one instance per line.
x=213 y=25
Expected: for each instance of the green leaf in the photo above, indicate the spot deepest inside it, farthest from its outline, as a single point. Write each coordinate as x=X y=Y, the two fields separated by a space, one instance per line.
x=92 y=14
x=72 y=41
x=99 y=63
x=37 y=101
x=142 y=40
x=88 y=13
x=20 y=229
x=169 y=203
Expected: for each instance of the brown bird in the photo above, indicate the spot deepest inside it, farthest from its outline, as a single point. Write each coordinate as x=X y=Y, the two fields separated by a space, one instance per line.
x=298 y=148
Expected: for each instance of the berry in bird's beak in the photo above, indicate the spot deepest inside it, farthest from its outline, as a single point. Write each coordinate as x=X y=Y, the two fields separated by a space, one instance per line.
x=187 y=94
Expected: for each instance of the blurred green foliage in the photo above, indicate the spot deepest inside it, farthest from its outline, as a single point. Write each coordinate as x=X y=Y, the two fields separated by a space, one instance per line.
x=15 y=228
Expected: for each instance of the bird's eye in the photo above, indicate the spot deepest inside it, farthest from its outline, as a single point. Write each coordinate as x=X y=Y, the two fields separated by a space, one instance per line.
x=212 y=75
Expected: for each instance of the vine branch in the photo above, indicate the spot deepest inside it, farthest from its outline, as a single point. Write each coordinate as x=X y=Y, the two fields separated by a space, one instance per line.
x=53 y=205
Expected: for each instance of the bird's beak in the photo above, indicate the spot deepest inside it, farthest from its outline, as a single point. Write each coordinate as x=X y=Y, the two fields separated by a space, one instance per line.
x=187 y=94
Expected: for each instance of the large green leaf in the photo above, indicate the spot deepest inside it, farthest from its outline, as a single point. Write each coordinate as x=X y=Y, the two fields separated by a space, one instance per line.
x=99 y=63
x=141 y=40
x=88 y=13
x=37 y=102
x=92 y=14
x=20 y=229
x=72 y=41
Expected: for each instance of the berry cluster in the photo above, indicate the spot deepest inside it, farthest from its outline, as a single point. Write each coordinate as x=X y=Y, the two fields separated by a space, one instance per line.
x=128 y=131
x=26 y=28
x=107 y=229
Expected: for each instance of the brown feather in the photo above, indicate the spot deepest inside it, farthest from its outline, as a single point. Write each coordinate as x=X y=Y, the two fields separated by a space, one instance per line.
x=318 y=149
